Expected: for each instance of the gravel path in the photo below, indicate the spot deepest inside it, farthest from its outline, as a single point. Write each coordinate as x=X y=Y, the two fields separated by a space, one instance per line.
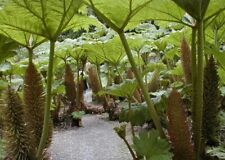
x=95 y=141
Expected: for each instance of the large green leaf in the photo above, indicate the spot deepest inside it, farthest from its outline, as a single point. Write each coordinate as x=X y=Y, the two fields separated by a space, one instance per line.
x=7 y=48
x=95 y=53
x=77 y=53
x=47 y=18
x=195 y=8
x=132 y=12
x=110 y=9
x=216 y=30
x=125 y=89
x=152 y=147
x=137 y=42
x=214 y=9
x=64 y=51
x=21 y=32
x=83 y=21
x=127 y=10
x=219 y=56
x=111 y=51
x=175 y=38
x=164 y=10
x=137 y=115
x=114 y=51
x=23 y=38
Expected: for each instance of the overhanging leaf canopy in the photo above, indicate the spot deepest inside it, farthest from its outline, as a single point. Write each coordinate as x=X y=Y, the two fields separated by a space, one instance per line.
x=165 y=10
x=132 y=12
x=23 y=38
x=215 y=8
x=202 y=9
x=111 y=51
x=47 y=18
x=195 y=8
x=127 y=9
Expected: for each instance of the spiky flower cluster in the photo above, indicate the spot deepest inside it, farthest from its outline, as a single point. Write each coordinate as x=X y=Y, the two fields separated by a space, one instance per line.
x=19 y=146
x=211 y=103
x=70 y=88
x=186 y=60
x=34 y=101
x=178 y=128
x=24 y=123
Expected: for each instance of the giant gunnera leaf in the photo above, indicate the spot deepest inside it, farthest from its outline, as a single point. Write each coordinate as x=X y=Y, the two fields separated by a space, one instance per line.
x=152 y=147
x=125 y=89
x=138 y=115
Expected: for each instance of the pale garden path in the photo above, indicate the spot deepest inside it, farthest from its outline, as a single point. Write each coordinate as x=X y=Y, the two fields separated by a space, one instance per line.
x=96 y=140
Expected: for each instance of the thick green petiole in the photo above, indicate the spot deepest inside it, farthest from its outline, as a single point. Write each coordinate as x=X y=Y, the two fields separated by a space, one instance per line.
x=30 y=54
x=198 y=110
x=137 y=74
x=194 y=67
x=45 y=130
x=78 y=86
